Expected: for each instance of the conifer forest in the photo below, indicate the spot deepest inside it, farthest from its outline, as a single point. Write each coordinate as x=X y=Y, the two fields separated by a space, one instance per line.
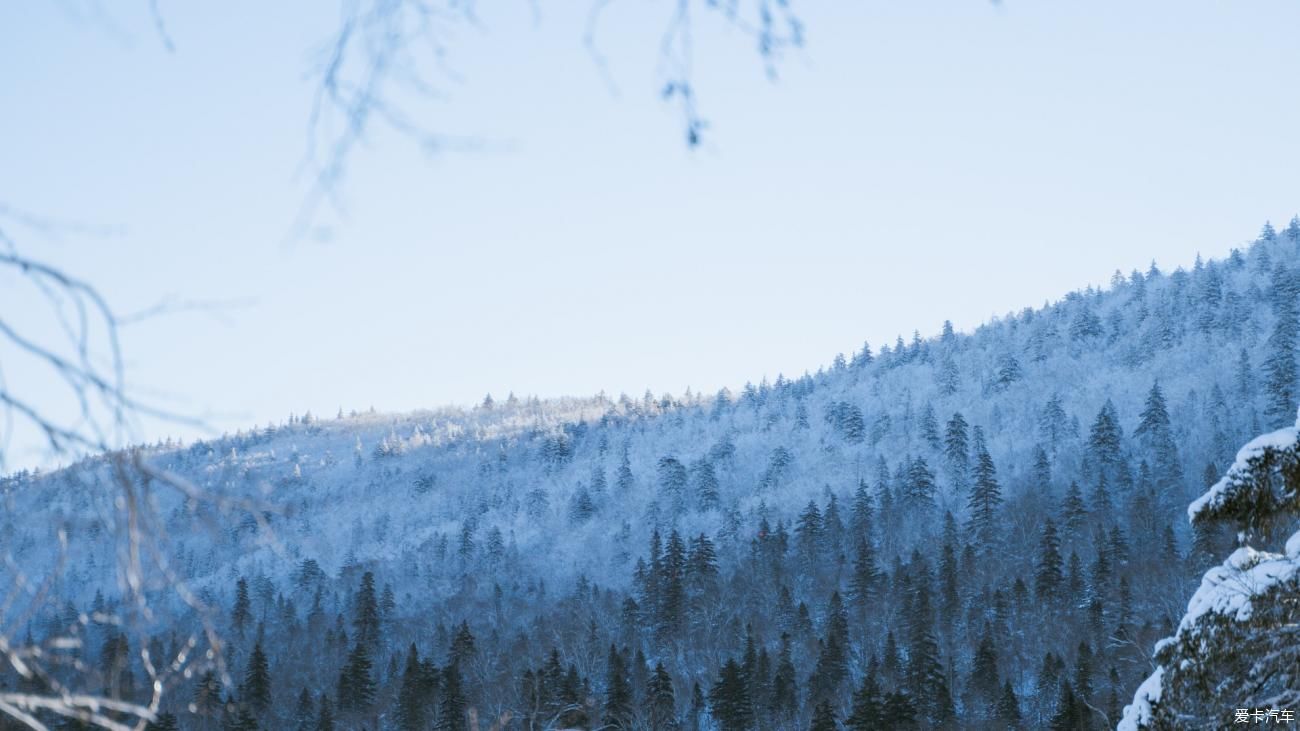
x=984 y=530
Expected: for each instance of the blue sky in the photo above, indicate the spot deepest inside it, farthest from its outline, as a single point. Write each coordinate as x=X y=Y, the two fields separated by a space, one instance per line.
x=916 y=162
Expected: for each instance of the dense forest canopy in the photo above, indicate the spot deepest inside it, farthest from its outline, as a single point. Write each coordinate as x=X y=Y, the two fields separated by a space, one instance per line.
x=983 y=530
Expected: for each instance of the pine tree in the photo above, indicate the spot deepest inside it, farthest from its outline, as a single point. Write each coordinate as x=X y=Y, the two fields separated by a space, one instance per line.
x=1071 y=714
x=1008 y=709
x=1047 y=582
x=672 y=585
x=1155 y=416
x=956 y=449
x=325 y=719
x=808 y=536
x=1053 y=423
x=862 y=586
x=413 y=698
x=1074 y=512
x=451 y=709
x=242 y=611
x=305 y=713
x=706 y=485
x=985 y=496
x=983 y=683
x=920 y=485
x=1009 y=371
x=462 y=645
x=243 y=720
x=618 y=691
x=1154 y=432
x=948 y=377
x=785 y=690
x=1042 y=469
x=701 y=574
x=672 y=483
x=824 y=718
x=862 y=513
x=207 y=695
x=661 y=707
x=1280 y=385
x=930 y=428
x=926 y=679
x=356 y=686
x=365 y=613
x=624 y=479
x=730 y=699
x=1106 y=437
x=867 y=712
x=256 y=690
x=1245 y=377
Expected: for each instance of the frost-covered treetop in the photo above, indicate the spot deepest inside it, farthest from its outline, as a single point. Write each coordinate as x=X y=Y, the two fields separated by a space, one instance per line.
x=1238 y=493
x=1236 y=645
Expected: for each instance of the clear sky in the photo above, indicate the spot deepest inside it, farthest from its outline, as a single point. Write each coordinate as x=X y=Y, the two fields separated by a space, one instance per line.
x=917 y=161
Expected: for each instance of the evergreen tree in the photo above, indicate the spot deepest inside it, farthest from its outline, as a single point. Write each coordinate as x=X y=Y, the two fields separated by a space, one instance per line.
x=1053 y=423
x=624 y=480
x=672 y=586
x=920 y=485
x=451 y=710
x=985 y=496
x=356 y=686
x=462 y=645
x=862 y=586
x=867 y=712
x=243 y=720
x=926 y=679
x=618 y=693
x=1074 y=512
x=930 y=428
x=862 y=513
x=365 y=613
x=983 y=683
x=256 y=690
x=706 y=485
x=1042 y=469
x=1071 y=714
x=1008 y=709
x=956 y=449
x=1155 y=416
x=1047 y=582
x=1009 y=371
x=785 y=690
x=1280 y=385
x=305 y=712
x=1154 y=432
x=242 y=611
x=207 y=695
x=672 y=483
x=413 y=698
x=730 y=699
x=325 y=719
x=661 y=707
x=824 y=718
x=1106 y=437
x=808 y=535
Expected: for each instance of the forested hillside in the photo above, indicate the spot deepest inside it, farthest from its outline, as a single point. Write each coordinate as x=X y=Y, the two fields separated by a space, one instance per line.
x=980 y=530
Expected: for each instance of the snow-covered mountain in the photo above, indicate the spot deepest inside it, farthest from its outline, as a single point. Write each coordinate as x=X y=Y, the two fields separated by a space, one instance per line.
x=887 y=515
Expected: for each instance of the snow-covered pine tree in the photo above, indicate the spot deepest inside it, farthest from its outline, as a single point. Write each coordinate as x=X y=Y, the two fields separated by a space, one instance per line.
x=1238 y=646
